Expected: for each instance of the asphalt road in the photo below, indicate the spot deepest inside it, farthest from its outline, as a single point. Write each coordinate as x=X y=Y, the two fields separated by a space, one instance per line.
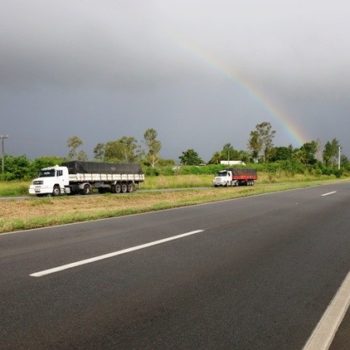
x=253 y=273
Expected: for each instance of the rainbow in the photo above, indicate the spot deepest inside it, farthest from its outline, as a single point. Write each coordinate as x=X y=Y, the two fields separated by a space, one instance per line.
x=297 y=136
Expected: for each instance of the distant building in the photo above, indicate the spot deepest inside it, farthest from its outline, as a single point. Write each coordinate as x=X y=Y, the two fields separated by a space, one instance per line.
x=232 y=162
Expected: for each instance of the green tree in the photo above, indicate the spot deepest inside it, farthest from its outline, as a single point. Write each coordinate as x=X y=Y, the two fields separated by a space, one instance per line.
x=261 y=141
x=345 y=162
x=330 y=152
x=255 y=144
x=190 y=157
x=43 y=162
x=73 y=143
x=307 y=153
x=229 y=153
x=123 y=150
x=82 y=156
x=216 y=158
x=281 y=153
x=166 y=162
x=99 y=151
x=16 y=167
x=153 y=146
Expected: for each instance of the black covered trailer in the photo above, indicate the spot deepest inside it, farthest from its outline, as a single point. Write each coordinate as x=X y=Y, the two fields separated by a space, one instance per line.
x=244 y=174
x=79 y=167
x=105 y=177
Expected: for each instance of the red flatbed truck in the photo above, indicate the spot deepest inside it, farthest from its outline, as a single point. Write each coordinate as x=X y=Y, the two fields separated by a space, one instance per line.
x=235 y=177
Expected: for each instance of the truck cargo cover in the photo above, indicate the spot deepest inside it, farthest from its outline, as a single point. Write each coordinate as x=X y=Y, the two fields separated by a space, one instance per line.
x=79 y=167
x=243 y=172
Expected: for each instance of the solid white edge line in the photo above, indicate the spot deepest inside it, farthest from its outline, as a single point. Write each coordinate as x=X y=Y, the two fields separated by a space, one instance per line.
x=328 y=194
x=110 y=255
x=323 y=335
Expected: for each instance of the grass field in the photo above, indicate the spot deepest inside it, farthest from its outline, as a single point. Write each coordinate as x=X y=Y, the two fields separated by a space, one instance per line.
x=13 y=188
x=18 y=214
x=20 y=188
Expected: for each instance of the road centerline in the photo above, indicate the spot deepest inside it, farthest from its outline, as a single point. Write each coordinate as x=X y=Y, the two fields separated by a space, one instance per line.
x=112 y=254
x=328 y=194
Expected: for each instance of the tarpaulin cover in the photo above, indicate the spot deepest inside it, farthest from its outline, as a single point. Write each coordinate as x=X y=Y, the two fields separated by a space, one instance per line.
x=243 y=172
x=78 y=167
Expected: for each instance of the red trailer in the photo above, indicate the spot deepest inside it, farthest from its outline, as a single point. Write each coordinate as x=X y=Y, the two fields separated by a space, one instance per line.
x=235 y=177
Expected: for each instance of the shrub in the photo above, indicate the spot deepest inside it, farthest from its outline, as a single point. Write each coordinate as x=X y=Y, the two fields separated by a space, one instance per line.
x=338 y=173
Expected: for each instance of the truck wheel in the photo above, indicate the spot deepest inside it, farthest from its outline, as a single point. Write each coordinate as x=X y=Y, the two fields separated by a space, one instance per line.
x=124 y=188
x=86 y=189
x=56 y=190
x=131 y=187
x=117 y=188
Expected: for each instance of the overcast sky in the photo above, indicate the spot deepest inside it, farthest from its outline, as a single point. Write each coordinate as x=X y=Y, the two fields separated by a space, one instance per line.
x=202 y=73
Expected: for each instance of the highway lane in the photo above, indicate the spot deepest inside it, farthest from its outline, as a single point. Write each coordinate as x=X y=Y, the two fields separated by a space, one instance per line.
x=259 y=276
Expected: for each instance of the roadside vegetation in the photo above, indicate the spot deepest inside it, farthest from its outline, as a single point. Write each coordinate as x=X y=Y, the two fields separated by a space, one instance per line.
x=196 y=176
x=279 y=168
x=21 y=214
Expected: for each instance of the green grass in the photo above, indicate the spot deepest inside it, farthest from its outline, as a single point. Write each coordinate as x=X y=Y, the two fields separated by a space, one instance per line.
x=41 y=212
x=20 y=188
x=176 y=181
x=14 y=188
x=190 y=181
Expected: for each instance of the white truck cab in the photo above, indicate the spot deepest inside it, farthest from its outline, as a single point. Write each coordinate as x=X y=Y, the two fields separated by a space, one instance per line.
x=224 y=178
x=51 y=180
x=83 y=177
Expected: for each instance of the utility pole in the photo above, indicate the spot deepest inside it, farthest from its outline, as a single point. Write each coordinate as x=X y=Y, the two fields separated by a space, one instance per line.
x=339 y=151
x=3 y=138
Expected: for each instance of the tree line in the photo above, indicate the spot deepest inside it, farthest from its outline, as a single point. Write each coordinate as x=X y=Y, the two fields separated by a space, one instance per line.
x=261 y=149
x=123 y=150
x=127 y=149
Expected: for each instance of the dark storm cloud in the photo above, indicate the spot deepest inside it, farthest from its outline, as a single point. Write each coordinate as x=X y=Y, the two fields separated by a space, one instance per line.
x=110 y=59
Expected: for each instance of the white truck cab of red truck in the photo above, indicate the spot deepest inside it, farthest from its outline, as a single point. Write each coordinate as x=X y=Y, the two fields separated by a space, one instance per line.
x=224 y=178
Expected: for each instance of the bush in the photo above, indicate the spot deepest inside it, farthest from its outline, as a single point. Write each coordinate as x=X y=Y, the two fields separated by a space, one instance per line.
x=149 y=171
x=338 y=173
x=16 y=168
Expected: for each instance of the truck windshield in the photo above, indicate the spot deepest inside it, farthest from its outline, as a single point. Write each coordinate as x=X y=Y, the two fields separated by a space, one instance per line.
x=222 y=173
x=47 y=173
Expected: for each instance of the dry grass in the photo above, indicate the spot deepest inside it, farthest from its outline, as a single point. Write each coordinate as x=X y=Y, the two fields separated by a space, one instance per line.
x=40 y=212
x=177 y=181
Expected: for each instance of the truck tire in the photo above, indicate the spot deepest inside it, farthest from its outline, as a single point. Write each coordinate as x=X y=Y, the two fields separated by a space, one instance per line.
x=56 y=190
x=86 y=190
x=131 y=187
x=117 y=188
x=124 y=188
